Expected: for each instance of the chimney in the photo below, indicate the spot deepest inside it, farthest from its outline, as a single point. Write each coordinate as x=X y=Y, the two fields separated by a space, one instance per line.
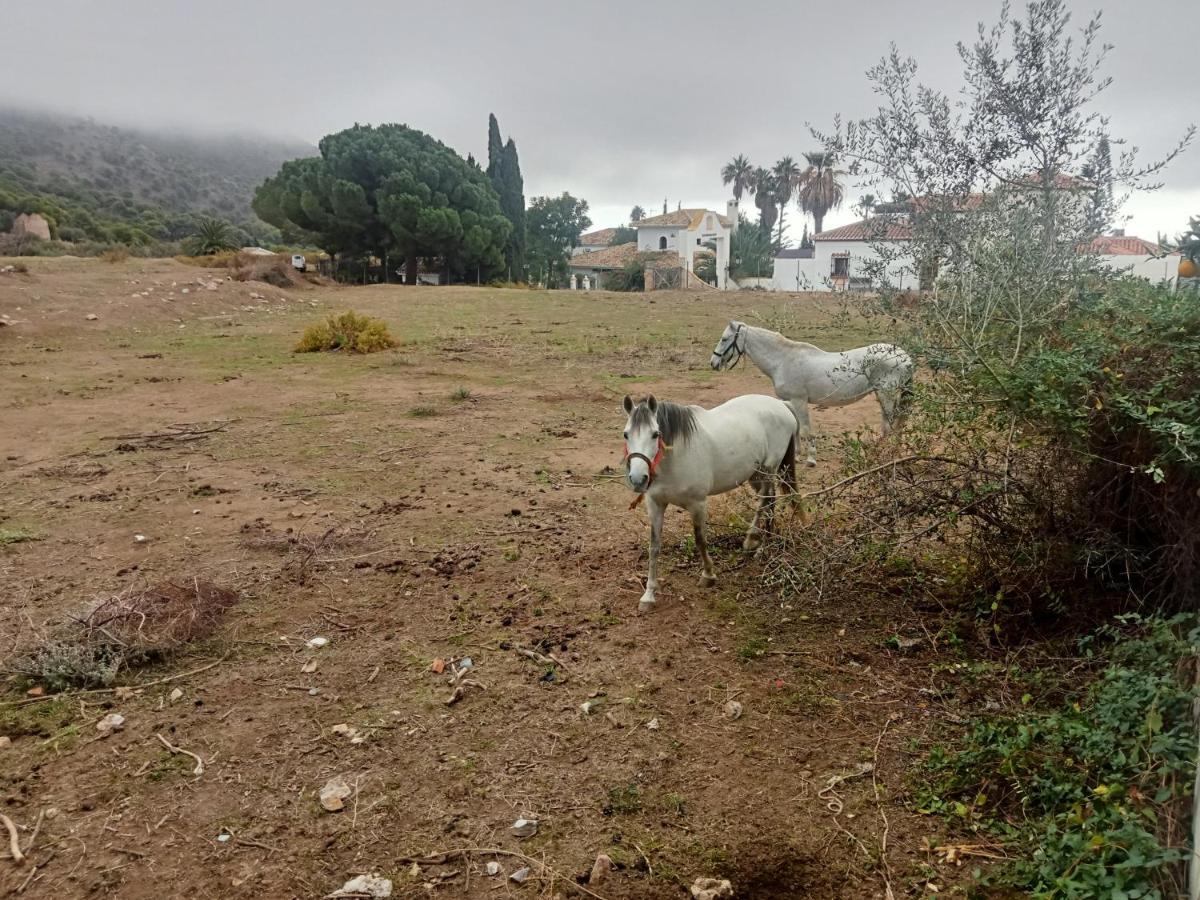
x=664 y=206
x=731 y=213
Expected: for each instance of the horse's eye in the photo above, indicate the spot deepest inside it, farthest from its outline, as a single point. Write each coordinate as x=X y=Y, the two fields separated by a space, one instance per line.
x=654 y=437
x=627 y=435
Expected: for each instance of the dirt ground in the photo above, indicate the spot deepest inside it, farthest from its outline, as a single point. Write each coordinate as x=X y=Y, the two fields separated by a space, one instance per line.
x=446 y=499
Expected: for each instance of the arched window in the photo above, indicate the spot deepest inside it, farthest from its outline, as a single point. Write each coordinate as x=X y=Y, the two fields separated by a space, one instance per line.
x=662 y=242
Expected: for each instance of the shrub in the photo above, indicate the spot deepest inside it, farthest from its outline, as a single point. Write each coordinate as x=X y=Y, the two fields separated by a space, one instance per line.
x=348 y=331
x=1089 y=797
x=115 y=255
x=274 y=270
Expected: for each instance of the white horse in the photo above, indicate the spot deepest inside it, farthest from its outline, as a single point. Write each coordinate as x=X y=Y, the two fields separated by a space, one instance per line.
x=804 y=374
x=682 y=455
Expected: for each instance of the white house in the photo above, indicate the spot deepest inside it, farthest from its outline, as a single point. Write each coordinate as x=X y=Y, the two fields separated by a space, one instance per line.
x=1137 y=257
x=687 y=230
x=794 y=270
x=839 y=257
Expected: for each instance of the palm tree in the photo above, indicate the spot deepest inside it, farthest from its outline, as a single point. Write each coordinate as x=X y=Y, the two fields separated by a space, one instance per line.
x=819 y=187
x=637 y=214
x=787 y=176
x=211 y=236
x=762 y=186
x=740 y=173
x=866 y=204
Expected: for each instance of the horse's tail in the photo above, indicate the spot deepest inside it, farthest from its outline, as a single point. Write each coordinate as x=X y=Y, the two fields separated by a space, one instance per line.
x=787 y=467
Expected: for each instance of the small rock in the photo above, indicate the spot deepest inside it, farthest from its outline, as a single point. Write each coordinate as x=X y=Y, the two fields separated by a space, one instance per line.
x=91 y=317
x=36 y=691
x=733 y=710
x=493 y=869
x=5 y=742
x=52 y=812
x=184 y=291
x=438 y=666
x=520 y=875
x=123 y=693
x=365 y=886
x=309 y=667
x=313 y=692
x=652 y=724
x=711 y=888
x=176 y=694
x=140 y=539
x=600 y=869
x=587 y=706
x=316 y=643
x=110 y=723
x=904 y=644
x=224 y=837
x=334 y=793
x=524 y=828
x=348 y=731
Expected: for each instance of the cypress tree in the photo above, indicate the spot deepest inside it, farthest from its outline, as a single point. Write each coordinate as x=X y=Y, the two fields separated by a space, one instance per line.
x=504 y=172
x=495 y=147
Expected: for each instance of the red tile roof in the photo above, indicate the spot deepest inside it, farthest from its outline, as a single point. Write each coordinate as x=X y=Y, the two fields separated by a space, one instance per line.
x=875 y=229
x=600 y=238
x=681 y=218
x=609 y=258
x=1106 y=245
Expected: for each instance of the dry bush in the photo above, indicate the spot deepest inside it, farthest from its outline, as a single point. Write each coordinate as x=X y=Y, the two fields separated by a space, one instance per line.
x=221 y=260
x=115 y=255
x=348 y=331
x=274 y=270
x=135 y=627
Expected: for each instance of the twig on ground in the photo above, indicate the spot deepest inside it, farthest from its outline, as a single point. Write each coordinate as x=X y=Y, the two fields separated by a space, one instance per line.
x=199 y=770
x=883 y=858
x=14 y=841
x=110 y=690
x=28 y=878
x=36 y=828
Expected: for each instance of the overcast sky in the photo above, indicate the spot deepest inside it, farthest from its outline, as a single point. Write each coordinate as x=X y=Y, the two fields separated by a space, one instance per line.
x=618 y=102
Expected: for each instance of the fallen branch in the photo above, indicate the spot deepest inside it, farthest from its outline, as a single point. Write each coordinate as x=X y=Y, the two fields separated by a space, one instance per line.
x=14 y=841
x=199 y=770
x=111 y=690
x=850 y=479
x=543 y=659
x=36 y=828
x=446 y=856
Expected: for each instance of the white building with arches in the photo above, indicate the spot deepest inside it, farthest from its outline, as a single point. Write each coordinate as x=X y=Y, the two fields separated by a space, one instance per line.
x=687 y=231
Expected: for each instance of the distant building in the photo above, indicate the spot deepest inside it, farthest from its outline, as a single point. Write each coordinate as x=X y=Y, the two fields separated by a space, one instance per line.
x=31 y=225
x=594 y=240
x=687 y=231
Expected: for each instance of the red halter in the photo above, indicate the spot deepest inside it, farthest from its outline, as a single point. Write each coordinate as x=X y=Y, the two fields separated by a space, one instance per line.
x=651 y=463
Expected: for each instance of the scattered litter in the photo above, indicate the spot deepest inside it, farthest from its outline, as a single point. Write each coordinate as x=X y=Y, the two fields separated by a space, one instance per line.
x=110 y=723
x=35 y=691
x=365 y=886
x=91 y=317
x=733 y=710
x=833 y=802
x=316 y=643
x=309 y=667
x=349 y=732
x=438 y=666
x=493 y=869
x=313 y=692
x=520 y=876
x=652 y=724
x=711 y=888
x=176 y=694
x=465 y=663
x=600 y=869
x=140 y=539
x=524 y=828
x=587 y=706
x=224 y=837
x=334 y=793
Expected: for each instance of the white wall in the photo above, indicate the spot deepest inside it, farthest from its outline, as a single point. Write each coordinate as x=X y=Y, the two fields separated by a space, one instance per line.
x=793 y=275
x=1154 y=270
x=860 y=253
x=648 y=237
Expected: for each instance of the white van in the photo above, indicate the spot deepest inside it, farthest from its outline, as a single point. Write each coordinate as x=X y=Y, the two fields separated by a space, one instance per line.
x=298 y=262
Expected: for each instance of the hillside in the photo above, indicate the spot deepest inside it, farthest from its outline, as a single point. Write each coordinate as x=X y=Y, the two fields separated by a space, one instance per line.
x=92 y=178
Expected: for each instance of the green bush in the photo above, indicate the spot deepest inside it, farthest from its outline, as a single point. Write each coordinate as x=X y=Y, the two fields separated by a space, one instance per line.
x=1088 y=798
x=348 y=331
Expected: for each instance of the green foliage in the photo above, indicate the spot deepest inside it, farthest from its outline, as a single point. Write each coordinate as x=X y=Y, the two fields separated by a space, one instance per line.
x=623 y=235
x=1085 y=796
x=348 y=331
x=211 y=236
x=1187 y=243
x=739 y=173
x=632 y=278
x=819 y=187
x=554 y=225
x=504 y=172
x=390 y=190
x=751 y=251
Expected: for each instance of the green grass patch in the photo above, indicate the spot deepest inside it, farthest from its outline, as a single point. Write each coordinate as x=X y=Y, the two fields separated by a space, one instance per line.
x=17 y=534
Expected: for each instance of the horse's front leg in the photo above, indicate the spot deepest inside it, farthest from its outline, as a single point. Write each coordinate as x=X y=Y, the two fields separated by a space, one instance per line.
x=800 y=409
x=699 y=512
x=646 y=604
x=887 y=406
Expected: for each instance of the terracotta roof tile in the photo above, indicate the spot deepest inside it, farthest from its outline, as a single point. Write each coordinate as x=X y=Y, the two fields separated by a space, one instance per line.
x=682 y=218
x=609 y=258
x=1106 y=245
x=601 y=238
x=875 y=229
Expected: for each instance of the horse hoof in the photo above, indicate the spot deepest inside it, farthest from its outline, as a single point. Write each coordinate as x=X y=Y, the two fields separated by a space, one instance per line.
x=646 y=606
x=708 y=581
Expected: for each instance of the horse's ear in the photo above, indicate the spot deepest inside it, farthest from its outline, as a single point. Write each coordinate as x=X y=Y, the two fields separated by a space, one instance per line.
x=628 y=403
x=652 y=403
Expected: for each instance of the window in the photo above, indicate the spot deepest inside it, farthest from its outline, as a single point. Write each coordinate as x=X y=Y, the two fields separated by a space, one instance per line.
x=662 y=242
x=697 y=242
x=841 y=266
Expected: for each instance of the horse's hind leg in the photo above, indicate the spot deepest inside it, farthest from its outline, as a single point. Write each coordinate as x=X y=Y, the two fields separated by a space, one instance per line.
x=763 y=516
x=888 y=405
x=699 y=512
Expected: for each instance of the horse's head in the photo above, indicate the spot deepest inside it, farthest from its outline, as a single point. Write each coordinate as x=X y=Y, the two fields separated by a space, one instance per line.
x=643 y=442
x=730 y=347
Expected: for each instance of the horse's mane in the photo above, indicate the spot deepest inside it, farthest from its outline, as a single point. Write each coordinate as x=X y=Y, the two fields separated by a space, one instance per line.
x=675 y=422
